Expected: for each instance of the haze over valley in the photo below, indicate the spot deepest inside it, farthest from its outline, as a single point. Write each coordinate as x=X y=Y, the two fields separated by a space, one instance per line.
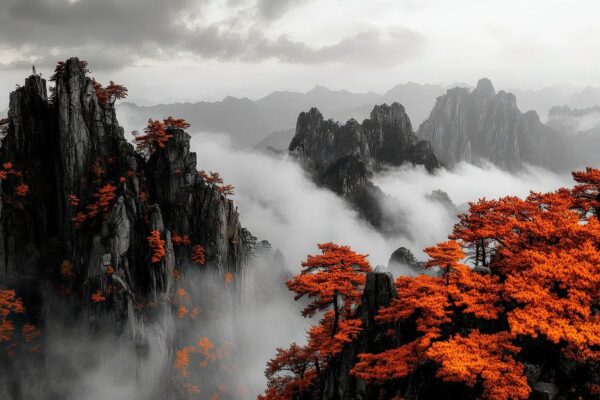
x=299 y=200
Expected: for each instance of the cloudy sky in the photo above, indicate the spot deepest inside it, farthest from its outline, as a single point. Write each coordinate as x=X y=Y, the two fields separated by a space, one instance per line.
x=205 y=49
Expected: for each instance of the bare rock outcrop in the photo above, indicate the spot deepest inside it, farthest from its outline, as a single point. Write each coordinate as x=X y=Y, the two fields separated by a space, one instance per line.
x=485 y=125
x=344 y=158
x=70 y=236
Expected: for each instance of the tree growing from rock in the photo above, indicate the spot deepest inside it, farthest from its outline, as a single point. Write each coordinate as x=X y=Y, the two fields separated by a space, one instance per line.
x=333 y=283
x=470 y=333
x=539 y=298
x=157 y=133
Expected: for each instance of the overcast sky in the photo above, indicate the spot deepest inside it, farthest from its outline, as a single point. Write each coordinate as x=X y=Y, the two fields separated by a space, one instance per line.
x=166 y=50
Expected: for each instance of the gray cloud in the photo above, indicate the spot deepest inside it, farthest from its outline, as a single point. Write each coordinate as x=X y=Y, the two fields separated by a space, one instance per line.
x=115 y=33
x=273 y=9
x=372 y=47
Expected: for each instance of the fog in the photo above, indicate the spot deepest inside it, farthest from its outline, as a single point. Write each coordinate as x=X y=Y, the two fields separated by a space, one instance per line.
x=277 y=202
x=247 y=320
x=574 y=124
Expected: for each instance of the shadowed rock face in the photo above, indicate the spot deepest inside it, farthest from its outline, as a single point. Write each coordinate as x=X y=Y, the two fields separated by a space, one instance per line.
x=404 y=258
x=484 y=125
x=345 y=157
x=59 y=145
x=339 y=383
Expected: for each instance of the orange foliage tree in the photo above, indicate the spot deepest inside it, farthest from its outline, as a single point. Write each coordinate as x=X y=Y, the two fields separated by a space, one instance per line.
x=198 y=256
x=214 y=178
x=157 y=245
x=60 y=69
x=105 y=197
x=10 y=305
x=12 y=314
x=15 y=178
x=333 y=281
x=204 y=356
x=539 y=297
x=157 y=133
x=107 y=96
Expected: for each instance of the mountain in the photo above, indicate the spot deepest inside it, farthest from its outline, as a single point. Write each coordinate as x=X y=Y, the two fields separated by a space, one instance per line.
x=249 y=122
x=276 y=140
x=90 y=236
x=570 y=121
x=484 y=125
x=579 y=136
x=343 y=158
x=418 y=99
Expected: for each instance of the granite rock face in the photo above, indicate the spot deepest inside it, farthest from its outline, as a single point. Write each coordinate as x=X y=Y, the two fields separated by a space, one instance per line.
x=339 y=383
x=344 y=158
x=402 y=258
x=69 y=145
x=483 y=125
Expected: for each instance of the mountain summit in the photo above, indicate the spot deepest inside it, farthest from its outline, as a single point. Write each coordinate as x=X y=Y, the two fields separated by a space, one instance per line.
x=483 y=125
x=345 y=157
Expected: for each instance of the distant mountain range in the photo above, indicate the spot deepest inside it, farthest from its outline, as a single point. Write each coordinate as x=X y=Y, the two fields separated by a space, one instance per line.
x=270 y=121
x=249 y=122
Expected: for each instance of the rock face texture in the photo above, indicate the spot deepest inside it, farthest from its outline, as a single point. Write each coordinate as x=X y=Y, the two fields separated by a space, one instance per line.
x=403 y=259
x=339 y=384
x=69 y=147
x=345 y=157
x=484 y=125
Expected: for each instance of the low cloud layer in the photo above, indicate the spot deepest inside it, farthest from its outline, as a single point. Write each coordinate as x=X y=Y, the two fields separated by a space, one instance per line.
x=278 y=203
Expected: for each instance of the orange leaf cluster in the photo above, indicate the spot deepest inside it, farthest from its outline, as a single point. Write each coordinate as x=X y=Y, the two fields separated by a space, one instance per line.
x=157 y=245
x=180 y=240
x=214 y=178
x=157 y=134
x=110 y=94
x=105 y=199
x=198 y=256
x=482 y=358
x=74 y=200
x=98 y=297
x=20 y=189
x=205 y=352
x=536 y=290
x=334 y=281
x=183 y=302
x=60 y=69
x=175 y=123
x=29 y=332
x=544 y=260
x=10 y=305
x=211 y=178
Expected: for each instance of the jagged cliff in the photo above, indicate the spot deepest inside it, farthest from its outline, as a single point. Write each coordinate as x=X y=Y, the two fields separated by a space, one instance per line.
x=339 y=383
x=484 y=125
x=345 y=157
x=69 y=147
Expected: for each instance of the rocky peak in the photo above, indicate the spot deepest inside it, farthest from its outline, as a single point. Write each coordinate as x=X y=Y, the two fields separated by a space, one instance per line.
x=403 y=257
x=343 y=158
x=393 y=115
x=484 y=89
x=379 y=291
x=93 y=202
x=483 y=125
